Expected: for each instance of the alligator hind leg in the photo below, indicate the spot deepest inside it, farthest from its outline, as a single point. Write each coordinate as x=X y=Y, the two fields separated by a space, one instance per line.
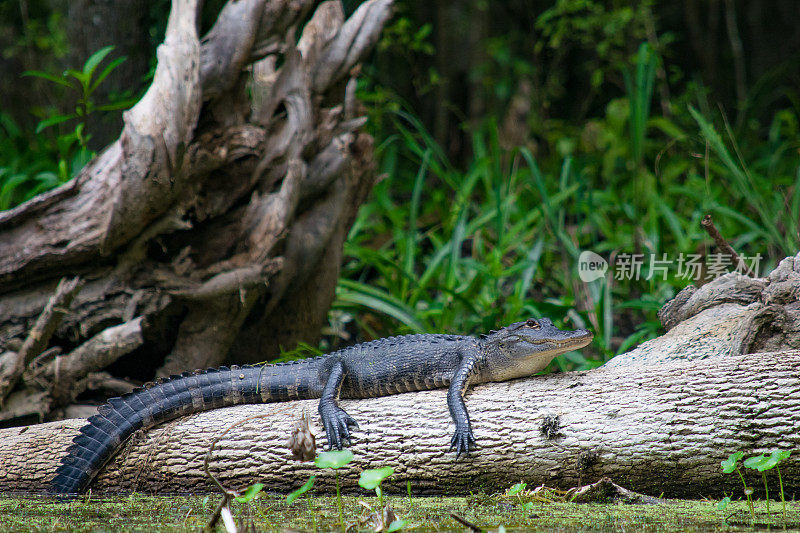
x=335 y=420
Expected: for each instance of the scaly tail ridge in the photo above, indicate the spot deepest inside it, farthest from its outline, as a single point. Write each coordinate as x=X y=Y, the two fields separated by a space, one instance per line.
x=148 y=406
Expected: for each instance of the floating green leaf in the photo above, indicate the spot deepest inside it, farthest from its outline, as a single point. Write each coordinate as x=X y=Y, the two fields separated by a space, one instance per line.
x=370 y=479
x=334 y=459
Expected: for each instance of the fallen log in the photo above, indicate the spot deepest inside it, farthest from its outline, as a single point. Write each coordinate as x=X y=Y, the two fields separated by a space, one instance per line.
x=653 y=429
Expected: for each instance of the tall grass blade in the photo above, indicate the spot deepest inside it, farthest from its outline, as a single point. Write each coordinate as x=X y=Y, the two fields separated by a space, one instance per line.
x=741 y=179
x=532 y=261
x=552 y=218
x=353 y=293
x=640 y=93
x=411 y=234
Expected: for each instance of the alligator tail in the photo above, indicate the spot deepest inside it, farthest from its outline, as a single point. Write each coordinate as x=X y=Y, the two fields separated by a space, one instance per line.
x=163 y=400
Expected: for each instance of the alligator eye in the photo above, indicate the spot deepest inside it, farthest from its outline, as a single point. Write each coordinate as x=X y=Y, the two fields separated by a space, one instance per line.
x=531 y=323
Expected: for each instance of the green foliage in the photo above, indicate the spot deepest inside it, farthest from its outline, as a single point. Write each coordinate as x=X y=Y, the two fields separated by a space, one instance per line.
x=762 y=463
x=335 y=460
x=580 y=43
x=292 y=496
x=729 y=464
x=640 y=94
x=250 y=493
x=459 y=251
x=303 y=350
x=516 y=488
x=371 y=479
x=45 y=33
x=84 y=83
x=396 y=525
x=31 y=163
x=723 y=503
x=27 y=166
x=587 y=23
x=440 y=248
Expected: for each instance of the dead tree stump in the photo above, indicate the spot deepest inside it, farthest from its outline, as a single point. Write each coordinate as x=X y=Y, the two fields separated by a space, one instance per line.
x=211 y=230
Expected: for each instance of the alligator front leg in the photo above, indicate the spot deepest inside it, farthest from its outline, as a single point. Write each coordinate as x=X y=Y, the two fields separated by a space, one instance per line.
x=462 y=440
x=335 y=420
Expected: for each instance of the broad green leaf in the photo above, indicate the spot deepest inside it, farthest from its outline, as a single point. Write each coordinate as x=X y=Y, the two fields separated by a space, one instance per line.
x=302 y=490
x=768 y=463
x=333 y=459
x=250 y=493
x=754 y=462
x=729 y=464
x=762 y=462
x=372 y=478
x=780 y=455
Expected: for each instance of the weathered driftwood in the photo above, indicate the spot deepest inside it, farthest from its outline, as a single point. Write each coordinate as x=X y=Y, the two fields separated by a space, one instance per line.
x=13 y=364
x=652 y=429
x=211 y=230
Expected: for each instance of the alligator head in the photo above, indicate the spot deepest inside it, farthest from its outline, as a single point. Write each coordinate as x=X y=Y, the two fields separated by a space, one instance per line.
x=524 y=348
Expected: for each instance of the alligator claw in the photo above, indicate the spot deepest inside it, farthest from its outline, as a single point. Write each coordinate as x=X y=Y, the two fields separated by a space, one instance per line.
x=337 y=426
x=463 y=441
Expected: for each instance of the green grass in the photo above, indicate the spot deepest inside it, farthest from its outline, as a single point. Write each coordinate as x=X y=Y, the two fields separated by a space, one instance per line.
x=464 y=250
x=459 y=251
x=270 y=513
x=27 y=164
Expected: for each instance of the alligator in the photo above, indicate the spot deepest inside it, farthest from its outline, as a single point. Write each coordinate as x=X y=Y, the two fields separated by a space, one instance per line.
x=378 y=368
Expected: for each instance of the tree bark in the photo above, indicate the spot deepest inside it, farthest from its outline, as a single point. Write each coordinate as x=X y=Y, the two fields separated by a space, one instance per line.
x=652 y=429
x=225 y=200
